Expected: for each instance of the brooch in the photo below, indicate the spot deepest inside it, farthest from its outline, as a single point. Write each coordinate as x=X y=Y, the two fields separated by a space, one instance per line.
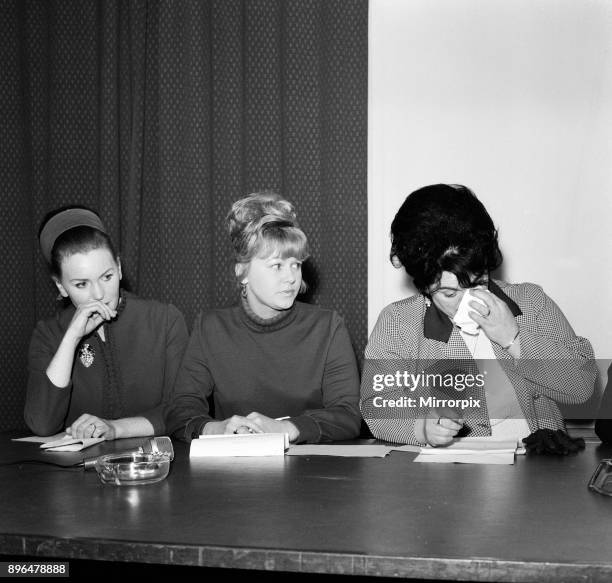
x=86 y=355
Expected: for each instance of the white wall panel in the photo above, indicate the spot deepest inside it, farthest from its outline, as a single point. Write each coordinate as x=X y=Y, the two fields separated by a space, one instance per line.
x=514 y=100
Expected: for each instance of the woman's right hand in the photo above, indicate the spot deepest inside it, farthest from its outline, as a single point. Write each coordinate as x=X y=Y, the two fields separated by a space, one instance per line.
x=91 y=426
x=88 y=317
x=441 y=430
x=235 y=424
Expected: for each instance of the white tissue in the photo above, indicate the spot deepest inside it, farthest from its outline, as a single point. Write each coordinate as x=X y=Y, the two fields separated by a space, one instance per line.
x=462 y=319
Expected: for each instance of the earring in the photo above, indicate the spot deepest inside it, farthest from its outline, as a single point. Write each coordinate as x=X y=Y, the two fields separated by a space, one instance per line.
x=243 y=289
x=427 y=302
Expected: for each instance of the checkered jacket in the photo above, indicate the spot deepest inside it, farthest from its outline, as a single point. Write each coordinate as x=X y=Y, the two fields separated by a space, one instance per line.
x=555 y=366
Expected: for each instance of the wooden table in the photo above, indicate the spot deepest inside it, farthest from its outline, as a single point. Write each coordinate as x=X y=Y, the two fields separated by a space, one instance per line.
x=532 y=521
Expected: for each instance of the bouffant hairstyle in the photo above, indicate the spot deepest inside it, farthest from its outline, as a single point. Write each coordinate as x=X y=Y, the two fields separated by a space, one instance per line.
x=444 y=227
x=261 y=225
x=71 y=230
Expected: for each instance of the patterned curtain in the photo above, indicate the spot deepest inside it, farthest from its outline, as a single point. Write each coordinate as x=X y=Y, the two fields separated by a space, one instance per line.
x=159 y=114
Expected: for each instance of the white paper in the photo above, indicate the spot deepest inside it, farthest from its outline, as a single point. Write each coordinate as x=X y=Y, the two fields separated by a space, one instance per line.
x=482 y=458
x=473 y=445
x=61 y=442
x=239 y=445
x=341 y=450
x=69 y=443
x=471 y=450
x=38 y=439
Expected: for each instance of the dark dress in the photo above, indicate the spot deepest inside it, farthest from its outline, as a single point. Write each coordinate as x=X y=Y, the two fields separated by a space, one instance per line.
x=130 y=374
x=299 y=364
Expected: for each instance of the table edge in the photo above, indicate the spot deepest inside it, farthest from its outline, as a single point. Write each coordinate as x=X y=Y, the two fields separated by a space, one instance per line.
x=339 y=563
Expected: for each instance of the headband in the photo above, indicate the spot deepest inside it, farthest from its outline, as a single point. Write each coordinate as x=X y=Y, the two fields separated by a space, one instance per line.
x=64 y=221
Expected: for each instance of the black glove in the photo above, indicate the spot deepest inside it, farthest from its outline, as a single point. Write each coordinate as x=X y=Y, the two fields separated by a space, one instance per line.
x=549 y=442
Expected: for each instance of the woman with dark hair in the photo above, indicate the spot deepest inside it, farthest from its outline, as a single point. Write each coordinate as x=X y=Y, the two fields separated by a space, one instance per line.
x=105 y=365
x=510 y=341
x=270 y=364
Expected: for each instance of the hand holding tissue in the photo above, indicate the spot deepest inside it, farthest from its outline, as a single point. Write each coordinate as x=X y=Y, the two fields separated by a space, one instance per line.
x=462 y=318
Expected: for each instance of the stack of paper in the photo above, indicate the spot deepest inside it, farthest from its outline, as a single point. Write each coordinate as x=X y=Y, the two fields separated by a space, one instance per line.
x=242 y=444
x=471 y=450
x=341 y=450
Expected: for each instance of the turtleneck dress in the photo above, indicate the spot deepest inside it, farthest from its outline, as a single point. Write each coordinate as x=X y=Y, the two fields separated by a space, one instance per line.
x=299 y=364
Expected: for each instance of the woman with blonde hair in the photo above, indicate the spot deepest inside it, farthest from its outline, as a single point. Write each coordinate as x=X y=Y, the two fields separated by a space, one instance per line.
x=270 y=364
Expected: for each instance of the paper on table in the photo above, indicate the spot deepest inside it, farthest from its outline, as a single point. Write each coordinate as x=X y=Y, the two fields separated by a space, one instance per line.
x=239 y=445
x=69 y=443
x=471 y=445
x=473 y=458
x=471 y=450
x=38 y=439
x=341 y=450
x=61 y=442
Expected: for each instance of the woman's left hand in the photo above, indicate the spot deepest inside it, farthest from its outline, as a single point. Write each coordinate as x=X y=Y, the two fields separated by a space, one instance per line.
x=269 y=425
x=91 y=426
x=495 y=317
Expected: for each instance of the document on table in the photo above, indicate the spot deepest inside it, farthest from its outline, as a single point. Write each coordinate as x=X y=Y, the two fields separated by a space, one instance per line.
x=62 y=442
x=506 y=459
x=472 y=450
x=341 y=450
x=239 y=445
x=38 y=439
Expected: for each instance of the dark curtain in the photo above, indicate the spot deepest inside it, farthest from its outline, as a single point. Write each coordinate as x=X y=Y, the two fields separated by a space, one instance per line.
x=159 y=114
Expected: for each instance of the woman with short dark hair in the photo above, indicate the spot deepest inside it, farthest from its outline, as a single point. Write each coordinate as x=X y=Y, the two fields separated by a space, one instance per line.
x=511 y=340
x=269 y=364
x=105 y=364
x=444 y=228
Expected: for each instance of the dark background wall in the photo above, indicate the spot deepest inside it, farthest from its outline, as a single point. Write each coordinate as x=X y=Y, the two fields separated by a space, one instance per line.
x=160 y=115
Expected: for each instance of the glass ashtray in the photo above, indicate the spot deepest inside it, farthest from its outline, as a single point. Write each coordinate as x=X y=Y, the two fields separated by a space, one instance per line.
x=132 y=469
x=601 y=480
